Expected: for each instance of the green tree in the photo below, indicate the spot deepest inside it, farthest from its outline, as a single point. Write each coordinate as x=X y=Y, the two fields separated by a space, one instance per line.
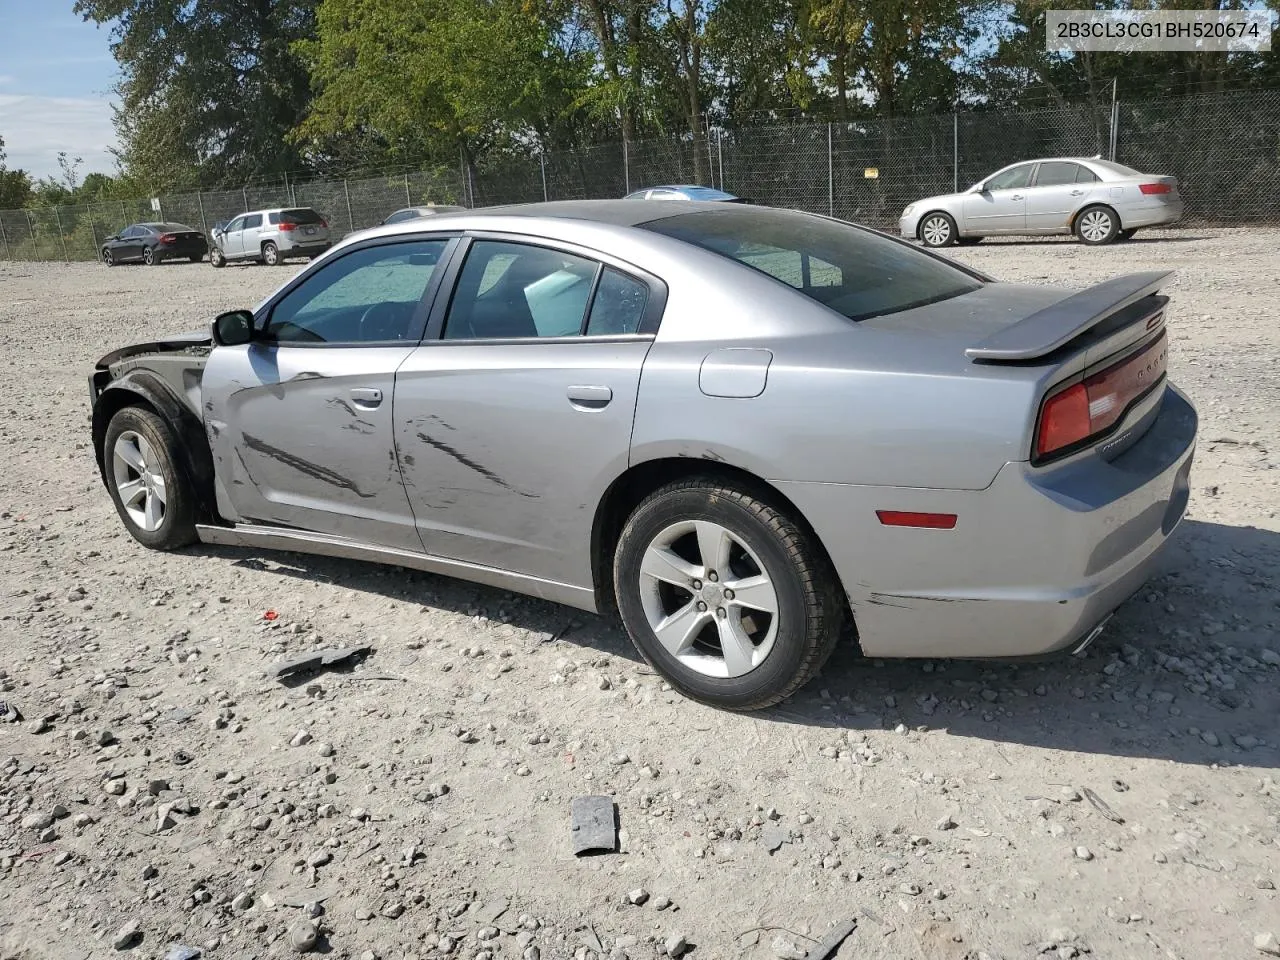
x=210 y=88
x=15 y=185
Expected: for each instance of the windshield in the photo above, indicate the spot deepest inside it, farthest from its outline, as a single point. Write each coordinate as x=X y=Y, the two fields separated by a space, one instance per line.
x=855 y=272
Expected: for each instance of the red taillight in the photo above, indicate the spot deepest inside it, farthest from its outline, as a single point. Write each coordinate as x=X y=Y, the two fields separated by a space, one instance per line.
x=324 y=224
x=1092 y=407
x=286 y=226
x=1150 y=188
x=168 y=237
x=907 y=518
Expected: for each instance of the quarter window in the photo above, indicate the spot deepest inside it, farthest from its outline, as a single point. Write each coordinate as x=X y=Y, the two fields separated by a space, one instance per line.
x=618 y=306
x=368 y=296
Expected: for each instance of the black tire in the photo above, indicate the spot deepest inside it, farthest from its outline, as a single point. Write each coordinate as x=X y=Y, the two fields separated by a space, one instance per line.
x=216 y=259
x=108 y=257
x=151 y=258
x=809 y=605
x=271 y=255
x=195 y=259
x=1088 y=217
x=177 y=528
x=968 y=241
x=937 y=229
x=1127 y=234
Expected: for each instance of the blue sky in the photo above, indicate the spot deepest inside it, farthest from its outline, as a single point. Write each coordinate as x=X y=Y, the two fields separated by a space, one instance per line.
x=56 y=75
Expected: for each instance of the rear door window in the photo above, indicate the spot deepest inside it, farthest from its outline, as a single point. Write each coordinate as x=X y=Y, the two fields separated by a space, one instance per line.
x=1057 y=173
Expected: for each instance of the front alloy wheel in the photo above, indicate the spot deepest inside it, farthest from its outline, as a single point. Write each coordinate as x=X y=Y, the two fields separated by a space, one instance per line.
x=151 y=493
x=139 y=481
x=724 y=594
x=937 y=230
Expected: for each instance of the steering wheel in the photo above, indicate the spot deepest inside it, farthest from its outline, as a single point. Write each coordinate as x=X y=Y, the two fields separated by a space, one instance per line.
x=382 y=321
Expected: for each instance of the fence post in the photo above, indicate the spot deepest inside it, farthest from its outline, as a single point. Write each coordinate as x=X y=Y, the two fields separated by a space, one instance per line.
x=204 y=224
x=124 y=217
x=63 y=240
x=1115 y=118
x=407 y=200
x=5 y=239
x=93 y=227
x=831 y=174
x=462 y=168
x=31 y=230
x=955 y=152
x=720 y=154
x=626 y=168
x=542 y=160
x=244 y=192
x=351 y=221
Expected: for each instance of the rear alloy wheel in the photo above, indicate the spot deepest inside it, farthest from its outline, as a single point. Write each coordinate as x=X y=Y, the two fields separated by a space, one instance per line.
x=216 y=258
x=1097 y=225
x=150 y=257
x=937 y=230
x=271 y=254
x=725 y=595
x=107 y=257
x=150 y=492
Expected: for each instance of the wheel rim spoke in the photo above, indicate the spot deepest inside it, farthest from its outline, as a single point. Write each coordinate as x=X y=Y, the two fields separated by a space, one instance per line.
x=755 y=593
x=158 y=488
x=677 y=630
x=153 y=512
x=735 y=645
x=128 y=451
x=131 y=492
x=662 y=564
x=713 y=544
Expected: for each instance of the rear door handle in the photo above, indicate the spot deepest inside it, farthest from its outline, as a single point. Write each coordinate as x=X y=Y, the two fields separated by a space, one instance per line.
x=367 y=397
x=1077 y=193
x=1017 y=196
x=587 y=397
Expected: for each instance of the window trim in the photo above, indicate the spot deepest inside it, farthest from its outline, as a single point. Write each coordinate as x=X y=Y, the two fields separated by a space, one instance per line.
x=421 y=314
x=649 y=323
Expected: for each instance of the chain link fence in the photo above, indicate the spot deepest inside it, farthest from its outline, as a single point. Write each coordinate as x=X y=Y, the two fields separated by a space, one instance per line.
x=1223 y=148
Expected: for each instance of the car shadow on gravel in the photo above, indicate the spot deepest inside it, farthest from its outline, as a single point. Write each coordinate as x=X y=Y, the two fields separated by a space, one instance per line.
x=1122 y=697
x=1138 y=240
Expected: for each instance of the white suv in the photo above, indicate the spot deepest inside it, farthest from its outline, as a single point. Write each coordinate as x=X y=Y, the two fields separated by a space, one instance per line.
x=271 y=236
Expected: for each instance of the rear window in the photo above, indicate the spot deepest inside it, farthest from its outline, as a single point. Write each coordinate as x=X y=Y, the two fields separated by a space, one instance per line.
x=855 y=272
x=1118 y=169
x=297 y=216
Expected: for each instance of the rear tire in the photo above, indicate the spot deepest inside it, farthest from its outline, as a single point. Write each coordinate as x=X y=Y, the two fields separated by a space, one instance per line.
x=742 y=556
x=271 y=255
x=151 y=258
x=151 y=492
x=937 y=230
x=968 y=241
x=1127 y=234
x=1097 y=225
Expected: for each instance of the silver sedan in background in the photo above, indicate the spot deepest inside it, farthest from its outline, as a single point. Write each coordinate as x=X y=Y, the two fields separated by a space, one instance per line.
x=744 y=428
x=1097 y=200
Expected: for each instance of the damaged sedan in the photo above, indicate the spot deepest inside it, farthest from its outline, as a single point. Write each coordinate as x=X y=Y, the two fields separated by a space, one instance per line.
x=754 y=433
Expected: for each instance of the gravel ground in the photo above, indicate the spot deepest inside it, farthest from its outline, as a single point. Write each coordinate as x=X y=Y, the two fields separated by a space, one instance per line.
x=161 y=792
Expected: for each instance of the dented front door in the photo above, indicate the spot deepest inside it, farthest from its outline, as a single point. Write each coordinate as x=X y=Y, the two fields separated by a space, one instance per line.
x=302 y=437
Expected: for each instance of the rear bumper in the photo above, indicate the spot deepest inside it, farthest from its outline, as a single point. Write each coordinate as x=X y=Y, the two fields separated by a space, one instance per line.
x=310 y=248
x=1035 y=561
x=1154 y=214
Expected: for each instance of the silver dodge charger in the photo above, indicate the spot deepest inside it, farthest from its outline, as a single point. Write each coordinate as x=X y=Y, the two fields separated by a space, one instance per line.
x=1097 y=200
x=751 y=431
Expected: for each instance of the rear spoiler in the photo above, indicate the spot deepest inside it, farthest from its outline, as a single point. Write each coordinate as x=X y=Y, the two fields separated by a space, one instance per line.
x=1046 y=330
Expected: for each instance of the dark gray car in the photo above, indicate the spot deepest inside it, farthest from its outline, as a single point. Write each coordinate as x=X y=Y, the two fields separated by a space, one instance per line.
x=747 y=428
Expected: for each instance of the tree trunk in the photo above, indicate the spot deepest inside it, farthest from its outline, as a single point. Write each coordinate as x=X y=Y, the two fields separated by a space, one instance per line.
x=609 y=54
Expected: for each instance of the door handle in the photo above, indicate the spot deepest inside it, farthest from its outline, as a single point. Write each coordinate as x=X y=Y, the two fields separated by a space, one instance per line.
x=367 y=397
x=1077 y=193
x=1016 y=196
x=587 y=397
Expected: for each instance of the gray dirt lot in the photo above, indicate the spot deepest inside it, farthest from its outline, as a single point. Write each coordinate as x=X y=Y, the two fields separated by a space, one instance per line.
x=939 y=803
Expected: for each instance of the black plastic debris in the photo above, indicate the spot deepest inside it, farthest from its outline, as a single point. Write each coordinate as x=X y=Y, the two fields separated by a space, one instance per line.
x=9 y=713
x=831 y=942
x=317 y=660
x=595 y=825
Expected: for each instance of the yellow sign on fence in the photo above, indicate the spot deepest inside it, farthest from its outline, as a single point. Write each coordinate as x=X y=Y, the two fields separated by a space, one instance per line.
x=871 y=173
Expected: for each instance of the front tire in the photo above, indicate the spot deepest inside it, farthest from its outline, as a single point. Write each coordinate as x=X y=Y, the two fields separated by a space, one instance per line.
x=271 y=254
x=108 y=257
x=937 y=230
x=1097 y=226
x=216 y=258
x=725 y=595
x=151 y=492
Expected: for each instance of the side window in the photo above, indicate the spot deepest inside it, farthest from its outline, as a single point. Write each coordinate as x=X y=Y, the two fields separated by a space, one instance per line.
x=1085 y=175
x=127 y=233
x=251 y=222
x=618 y=306
x=234 y=225
x=1013 y=179
x=273 y=217
x=368 y=296
x=1056 y=173
x=513 y=290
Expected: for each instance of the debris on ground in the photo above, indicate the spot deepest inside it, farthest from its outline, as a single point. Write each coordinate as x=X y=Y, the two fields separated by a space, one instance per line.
x=594 y=825
x=316 y=660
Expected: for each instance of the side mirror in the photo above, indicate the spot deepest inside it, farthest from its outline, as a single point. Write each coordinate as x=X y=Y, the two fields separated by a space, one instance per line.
x=233 y=329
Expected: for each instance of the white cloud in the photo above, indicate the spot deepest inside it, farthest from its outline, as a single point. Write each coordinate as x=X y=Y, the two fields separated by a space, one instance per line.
x=5 y=78
x=36 y=128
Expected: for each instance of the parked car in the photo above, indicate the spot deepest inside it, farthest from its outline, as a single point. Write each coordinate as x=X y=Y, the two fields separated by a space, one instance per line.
x=271 y=237
x=744 y=426
x=417 y=213
x=1097 y=200
x=154 y=243
x=684 y=192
